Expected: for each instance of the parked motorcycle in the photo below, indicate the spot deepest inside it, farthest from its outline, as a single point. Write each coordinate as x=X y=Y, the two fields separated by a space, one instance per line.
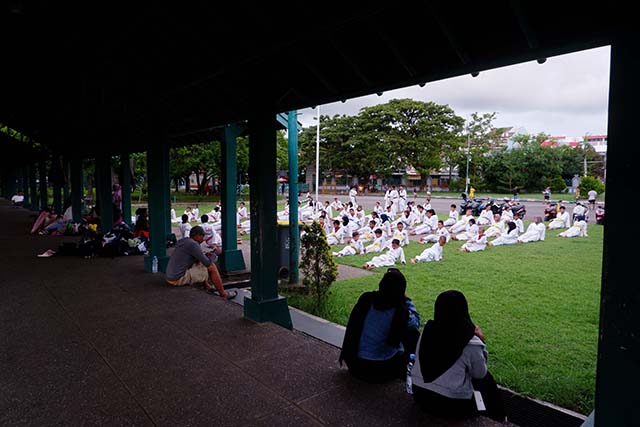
x=600 y=215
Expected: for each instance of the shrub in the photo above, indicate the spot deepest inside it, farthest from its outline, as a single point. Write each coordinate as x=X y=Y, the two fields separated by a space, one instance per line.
x=317 y=265
x=589 y=183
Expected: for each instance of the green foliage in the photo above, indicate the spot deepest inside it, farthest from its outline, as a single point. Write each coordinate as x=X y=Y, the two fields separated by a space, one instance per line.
x=557 y=184
x=589 y=183
x=317 y=265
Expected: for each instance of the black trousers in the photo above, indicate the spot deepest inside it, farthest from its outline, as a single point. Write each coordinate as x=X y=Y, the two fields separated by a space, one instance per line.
x=379 y=371
x=443 y=406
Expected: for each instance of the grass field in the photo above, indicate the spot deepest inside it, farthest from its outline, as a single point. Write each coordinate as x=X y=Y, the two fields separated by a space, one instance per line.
x=538 y=304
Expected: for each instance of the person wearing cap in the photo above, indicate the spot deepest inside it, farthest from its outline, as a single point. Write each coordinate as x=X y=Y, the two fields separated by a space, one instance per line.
x=188 y=265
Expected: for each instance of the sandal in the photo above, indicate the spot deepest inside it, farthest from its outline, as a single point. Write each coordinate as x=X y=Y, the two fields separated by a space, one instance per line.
x=230 y=294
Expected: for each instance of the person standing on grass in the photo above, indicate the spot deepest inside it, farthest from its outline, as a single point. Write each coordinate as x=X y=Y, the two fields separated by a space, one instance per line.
x=451 y=364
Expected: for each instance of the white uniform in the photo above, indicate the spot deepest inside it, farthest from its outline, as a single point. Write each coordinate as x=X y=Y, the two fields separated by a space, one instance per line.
x=184 y=228
x=506 y=239
x=476 y=244
x=352 y=196
x=534 y=233
x=402 y=236
x=434 y=237
x=367 y=234
x=336 y=237
x=210 y=236
x=461 y=224
x=495 y=229
x=402 y=199
x=242 y=214
x=378 y=245
x=388 y=259
x=434 y=253
x=486 y=217
x=470 y=232
x=578 y=229
x=562 y=220
x=519 y=225
x=395 y=198
x=354 y=247
x=453 y=218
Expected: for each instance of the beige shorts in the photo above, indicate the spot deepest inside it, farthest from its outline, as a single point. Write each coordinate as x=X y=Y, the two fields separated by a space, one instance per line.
x=198 y=273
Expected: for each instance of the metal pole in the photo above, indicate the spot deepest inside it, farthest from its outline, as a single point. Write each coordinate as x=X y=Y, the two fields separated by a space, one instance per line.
x=317 y=160
x=466 y=185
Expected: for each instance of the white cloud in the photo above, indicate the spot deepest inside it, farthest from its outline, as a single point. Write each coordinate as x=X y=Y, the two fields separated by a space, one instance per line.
x=567 y=95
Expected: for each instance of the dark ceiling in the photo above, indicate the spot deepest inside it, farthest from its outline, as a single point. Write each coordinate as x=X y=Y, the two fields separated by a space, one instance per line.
x=86 y=76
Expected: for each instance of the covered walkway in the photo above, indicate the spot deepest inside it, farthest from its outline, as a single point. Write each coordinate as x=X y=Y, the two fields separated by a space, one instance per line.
x=102 y=342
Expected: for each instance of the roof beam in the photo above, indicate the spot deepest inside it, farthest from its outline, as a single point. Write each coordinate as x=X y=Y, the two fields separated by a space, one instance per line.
x=350 y=62
x=399 y=56
x=318 y=75
x=523 y=22
x=453 y=40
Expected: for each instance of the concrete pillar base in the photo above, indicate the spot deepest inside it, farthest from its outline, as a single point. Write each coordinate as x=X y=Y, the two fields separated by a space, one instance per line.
x=273 y=310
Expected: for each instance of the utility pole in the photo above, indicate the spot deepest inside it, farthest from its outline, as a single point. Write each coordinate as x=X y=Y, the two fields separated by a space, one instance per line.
x=466 y=185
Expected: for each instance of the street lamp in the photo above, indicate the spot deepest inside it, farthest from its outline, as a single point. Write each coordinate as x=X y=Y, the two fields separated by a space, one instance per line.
x=315 y=210
x=466 y=185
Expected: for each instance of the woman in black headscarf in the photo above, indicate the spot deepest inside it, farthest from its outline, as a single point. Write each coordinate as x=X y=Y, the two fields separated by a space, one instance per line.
x=382 y=332
x=452 y=363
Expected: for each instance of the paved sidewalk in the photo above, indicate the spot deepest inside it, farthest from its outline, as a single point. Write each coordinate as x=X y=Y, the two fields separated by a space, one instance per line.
x=102 y=342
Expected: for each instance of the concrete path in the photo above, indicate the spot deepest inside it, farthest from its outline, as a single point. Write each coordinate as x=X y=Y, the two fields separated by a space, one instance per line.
x=102 y=342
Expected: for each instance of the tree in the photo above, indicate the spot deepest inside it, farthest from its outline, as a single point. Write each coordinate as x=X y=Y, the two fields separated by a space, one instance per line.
x=317 y=265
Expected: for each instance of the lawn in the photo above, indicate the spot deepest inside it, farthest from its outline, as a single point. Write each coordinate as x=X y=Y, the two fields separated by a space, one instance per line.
x=538 y=304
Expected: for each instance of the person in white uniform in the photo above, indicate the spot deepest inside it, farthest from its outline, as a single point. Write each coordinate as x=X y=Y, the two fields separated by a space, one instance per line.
x=434 y=253
x=440 y=230
x=379 y=243
x=354 y=247
x=453 y=216
x=475 y=244
x=387 y=259
x=401 y=235
x=535 y=231
x=562 y=220
x=508 y=238
x=578 y=229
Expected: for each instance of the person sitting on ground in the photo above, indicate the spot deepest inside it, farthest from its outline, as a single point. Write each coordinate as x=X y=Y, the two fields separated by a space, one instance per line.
x=400 y=234
x=451 y=363
x=141 y=227
x=453 y=216
x=434 y=253
x=508 y=238
x=470 y=231
x=188 y=265
x=354 y=247
x=184 y=227
x=18 y=199
x=388 y=259
x=562 y=220
x=212 y=245
x=379 y=243
x=535 y=231
x=578 y=229
x=475 y=244
x=440 y=230
x=382 y=332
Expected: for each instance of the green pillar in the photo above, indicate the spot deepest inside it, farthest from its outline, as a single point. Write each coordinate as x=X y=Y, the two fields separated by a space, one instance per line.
x=77 y=189
x=44 y=197
x=126 y=188
x=159 y=201
x=56 y=179
x=618 y=370
x=33 y=187
x=231 y=258
x=104 y=191
x=294 y=230
x=265 y=305
x=26 y=185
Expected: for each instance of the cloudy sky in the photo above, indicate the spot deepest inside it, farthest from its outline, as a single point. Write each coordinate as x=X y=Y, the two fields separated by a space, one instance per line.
x=567 y=95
